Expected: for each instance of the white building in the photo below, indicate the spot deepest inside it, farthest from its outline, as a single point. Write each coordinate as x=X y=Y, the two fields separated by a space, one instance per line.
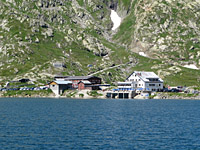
x=59 y=86
x=143 y=81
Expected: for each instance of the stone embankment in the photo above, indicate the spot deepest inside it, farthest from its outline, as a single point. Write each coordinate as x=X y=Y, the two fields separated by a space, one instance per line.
x=177 y=96
x=86 y=94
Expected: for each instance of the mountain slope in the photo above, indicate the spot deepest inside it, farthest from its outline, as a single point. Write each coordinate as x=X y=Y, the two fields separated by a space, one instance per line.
x=164 y=29
x=39 y=39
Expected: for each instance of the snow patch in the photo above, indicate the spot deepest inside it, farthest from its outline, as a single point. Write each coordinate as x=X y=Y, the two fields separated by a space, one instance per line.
x=115 y=19
x=191 y=67
x=142 y=54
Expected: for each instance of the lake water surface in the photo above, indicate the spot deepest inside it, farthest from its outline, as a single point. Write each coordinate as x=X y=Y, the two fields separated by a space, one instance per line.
x=99 y=124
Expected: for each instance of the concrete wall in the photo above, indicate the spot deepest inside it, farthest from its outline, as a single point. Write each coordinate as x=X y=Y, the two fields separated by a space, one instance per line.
x=54 y=88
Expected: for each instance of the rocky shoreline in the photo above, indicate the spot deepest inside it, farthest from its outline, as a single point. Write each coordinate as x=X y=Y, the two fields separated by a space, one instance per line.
x=85 y=94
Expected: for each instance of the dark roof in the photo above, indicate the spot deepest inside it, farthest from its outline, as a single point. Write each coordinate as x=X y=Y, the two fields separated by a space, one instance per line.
x=24 y=80
x=60 y=76
x=129 y=75
x=85 y=82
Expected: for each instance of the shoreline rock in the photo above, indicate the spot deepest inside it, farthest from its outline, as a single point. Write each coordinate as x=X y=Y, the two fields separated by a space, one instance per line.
x=85 y=94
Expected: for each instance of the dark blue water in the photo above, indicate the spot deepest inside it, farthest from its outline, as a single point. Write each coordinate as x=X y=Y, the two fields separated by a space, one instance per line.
x=99 y=124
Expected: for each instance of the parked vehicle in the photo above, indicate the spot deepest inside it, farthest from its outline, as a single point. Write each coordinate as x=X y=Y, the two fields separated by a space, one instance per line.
x=32 y=88
x=175 y=90
x=167 y=90
x=45 y=88
x=3 y=89
x=37 y=89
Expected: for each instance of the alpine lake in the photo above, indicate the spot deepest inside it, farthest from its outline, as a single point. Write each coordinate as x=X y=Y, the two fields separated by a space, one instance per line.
x=93 y=124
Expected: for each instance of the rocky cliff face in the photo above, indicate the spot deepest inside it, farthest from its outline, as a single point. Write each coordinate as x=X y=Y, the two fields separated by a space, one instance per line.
x=163 y=29
x=37 y=35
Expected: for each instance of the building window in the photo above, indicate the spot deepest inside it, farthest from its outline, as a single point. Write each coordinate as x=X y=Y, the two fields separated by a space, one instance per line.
x=53 y=85
x=151 y=84
x=159 y=85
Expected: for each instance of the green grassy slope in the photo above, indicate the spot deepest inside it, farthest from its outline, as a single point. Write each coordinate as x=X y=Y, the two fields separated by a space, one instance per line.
x=35 y=35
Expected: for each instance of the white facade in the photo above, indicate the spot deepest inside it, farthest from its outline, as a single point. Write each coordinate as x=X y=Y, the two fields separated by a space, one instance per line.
x=59 y=86
x=142 y=80
x=54 y=88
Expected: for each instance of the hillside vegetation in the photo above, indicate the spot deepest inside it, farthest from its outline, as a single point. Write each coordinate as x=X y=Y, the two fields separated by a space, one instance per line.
x=40 y=39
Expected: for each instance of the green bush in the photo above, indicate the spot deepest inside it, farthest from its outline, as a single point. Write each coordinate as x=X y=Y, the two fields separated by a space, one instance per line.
x=81 y=95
